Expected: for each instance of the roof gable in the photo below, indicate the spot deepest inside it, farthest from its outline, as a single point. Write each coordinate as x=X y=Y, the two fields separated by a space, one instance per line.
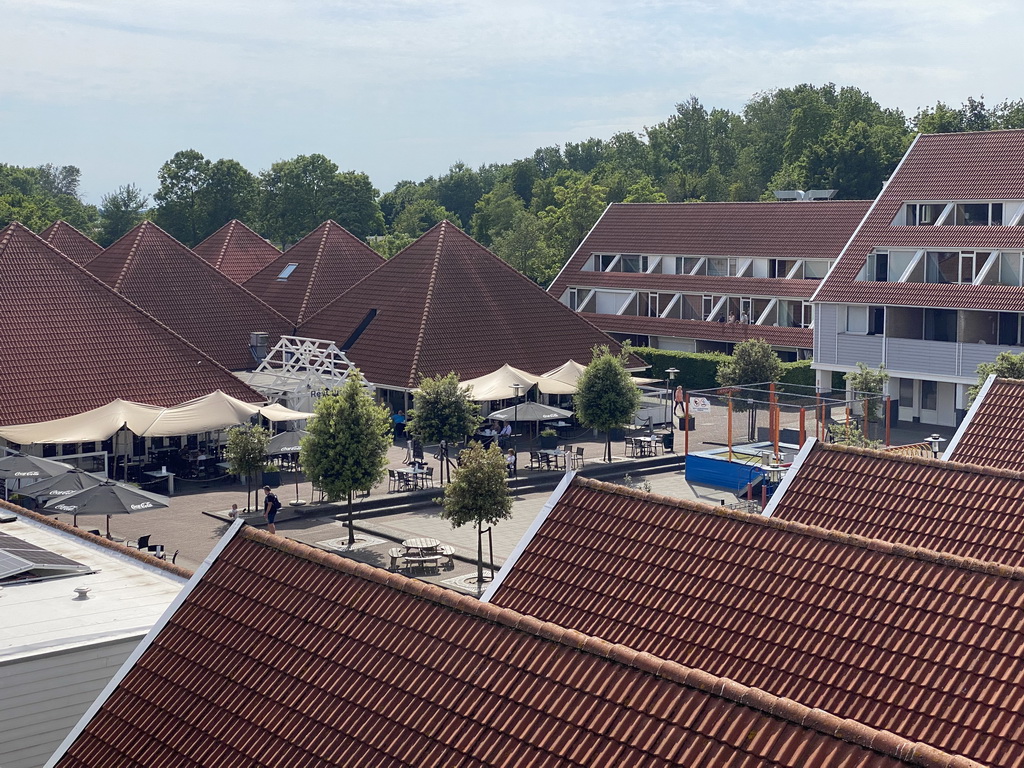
x=965 y=510
x=992 y=435
x=74 y=344
x=237 y=251
x=984 y=165
x=445 y=304
x=72 y=243
x=328 y=261
x=831 y=620
x=744 y=230
x=333 y=662
x=155 y=271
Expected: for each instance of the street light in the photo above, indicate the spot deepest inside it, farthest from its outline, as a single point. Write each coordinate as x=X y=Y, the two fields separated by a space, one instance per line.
x=515 y=410
x=936 y=441
x=671 y=406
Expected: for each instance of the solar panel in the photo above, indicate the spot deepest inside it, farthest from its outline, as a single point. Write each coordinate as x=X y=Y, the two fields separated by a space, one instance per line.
x=19 y=557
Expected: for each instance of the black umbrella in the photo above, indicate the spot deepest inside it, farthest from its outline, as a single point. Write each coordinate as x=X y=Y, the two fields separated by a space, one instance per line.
x=65 y=484
x=108 y=498
x=285 y=442
x=15 y=466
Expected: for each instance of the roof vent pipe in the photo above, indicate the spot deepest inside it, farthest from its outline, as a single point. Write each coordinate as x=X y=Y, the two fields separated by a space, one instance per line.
x=82 y=593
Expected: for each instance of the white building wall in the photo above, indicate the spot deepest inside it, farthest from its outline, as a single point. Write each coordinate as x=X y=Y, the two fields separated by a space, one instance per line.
x=45 y=695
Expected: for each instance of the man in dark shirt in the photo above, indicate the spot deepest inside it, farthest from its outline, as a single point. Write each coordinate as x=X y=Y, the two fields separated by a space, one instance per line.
x=270 y=506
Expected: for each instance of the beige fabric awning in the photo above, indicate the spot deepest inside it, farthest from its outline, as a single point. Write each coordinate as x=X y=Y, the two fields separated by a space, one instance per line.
x=497 y=385
x=563 y=380
x=204 y=414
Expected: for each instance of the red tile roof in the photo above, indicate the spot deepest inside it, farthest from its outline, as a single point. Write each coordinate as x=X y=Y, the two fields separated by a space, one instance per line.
x=284 y=655
x=962 y=509
x=699 y=329
x=940 y=167
x=921 y=643
x=330 y=261
x=72 y=243
x=747 y=230
x=72 y=344
x=445 y=304
x=155 y=271
x=993 y=435
x=237 y=251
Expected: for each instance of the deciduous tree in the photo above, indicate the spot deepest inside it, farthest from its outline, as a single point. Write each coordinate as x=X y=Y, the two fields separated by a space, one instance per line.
x=606 y=397
x=179 y=201
x=347 y=445
x=247 y=453
x=478 y=493
x=1007 y=365
x=442 y=412
x=120 y=211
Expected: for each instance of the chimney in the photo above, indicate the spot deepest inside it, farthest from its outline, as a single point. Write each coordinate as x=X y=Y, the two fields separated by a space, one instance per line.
x=258 y=345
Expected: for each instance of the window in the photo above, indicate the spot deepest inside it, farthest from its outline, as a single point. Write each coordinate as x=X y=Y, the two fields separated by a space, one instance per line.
x=968 y=265
x=941 y=267
x=722 y=267
x=924 y=214
x=286 y=272
x=708 y=307
x=929 y=396
x=977 y=214
x=807 y=320
x=940 y=325
x=817 y=269
x=572 y=299
x=605 y=261
x=856 y=320
x=633 y=263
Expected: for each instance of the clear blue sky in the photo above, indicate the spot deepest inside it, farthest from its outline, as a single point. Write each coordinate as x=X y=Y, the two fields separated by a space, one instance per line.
x=401 y=89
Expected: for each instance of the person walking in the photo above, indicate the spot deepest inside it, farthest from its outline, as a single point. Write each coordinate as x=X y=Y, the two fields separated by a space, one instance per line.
x=270 y=506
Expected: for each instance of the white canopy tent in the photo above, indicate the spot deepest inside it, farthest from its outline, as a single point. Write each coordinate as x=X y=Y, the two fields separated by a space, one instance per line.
x=499 y=384
x=204 y=414
x=563 y=380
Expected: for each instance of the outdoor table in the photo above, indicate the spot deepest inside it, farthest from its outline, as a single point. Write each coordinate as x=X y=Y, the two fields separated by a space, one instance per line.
x=168 y=475
x=423 y=545
x=412 y=475
x=645 y=444
x=555 y=454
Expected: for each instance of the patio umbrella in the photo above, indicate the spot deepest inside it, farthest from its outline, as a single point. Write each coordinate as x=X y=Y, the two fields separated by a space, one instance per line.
x=529 y=411
x=108 y=498
x=285 y=442
x=64 y=484
x=16 y=466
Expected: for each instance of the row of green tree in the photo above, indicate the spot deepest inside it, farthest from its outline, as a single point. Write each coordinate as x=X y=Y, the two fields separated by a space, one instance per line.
x=534 y=211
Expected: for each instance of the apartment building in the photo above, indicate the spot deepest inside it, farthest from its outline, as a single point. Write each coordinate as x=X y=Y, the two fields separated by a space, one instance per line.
x=703 y=277
x=930 y=285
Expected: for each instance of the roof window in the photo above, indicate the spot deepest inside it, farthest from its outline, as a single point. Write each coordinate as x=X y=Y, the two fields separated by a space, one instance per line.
x=286 y=272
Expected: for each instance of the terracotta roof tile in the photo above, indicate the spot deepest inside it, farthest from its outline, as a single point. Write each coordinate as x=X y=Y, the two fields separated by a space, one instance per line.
x=445 y=304
x=329 y=260
x=746 y=230
x=331 y=662
x=155 y=271
x=888 y=635
x=993 y=435
x=987 y=165
x=73 y=344
x=944 y=506
x=72 y=243
x=237 y=251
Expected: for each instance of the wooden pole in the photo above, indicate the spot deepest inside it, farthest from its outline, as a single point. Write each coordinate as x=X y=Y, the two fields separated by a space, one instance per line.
x=803 y=427
x=686 y=423
x=729 y=439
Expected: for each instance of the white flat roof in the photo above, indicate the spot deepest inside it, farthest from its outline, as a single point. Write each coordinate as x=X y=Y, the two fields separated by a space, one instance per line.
x=126 y=597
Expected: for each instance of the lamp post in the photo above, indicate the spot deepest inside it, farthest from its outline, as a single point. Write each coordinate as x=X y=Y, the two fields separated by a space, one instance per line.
x=671 y=406
x=515 y=412
x=773 y=472
x=935 y=441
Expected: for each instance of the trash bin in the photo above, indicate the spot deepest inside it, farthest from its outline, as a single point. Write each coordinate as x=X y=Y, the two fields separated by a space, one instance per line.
x=668 y=440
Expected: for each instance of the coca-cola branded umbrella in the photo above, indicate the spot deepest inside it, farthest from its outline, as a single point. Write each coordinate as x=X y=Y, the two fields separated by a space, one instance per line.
x=108 y=498
x=18 y=466
x=64 y=484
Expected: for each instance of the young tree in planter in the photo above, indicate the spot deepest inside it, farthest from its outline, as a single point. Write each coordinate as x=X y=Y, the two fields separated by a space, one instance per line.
x=606 y=397
x=346 y=449
x=478 y=493
x=443 y=411
x=868 y=380
x=247 y=453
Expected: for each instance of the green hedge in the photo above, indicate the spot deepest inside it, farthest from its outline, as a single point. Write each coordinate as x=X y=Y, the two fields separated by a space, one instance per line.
x=697 y=369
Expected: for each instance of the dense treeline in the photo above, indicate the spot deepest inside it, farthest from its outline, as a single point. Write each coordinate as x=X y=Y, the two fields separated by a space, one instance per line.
x=533 y=211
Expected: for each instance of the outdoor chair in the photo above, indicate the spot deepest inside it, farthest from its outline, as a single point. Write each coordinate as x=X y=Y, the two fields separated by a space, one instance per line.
x=394 y=481
x=536 y=460
x=577 y=457
x=630 y=447
x=142 y=543
x=396 y=554
x=449 y=552
x=428 y=478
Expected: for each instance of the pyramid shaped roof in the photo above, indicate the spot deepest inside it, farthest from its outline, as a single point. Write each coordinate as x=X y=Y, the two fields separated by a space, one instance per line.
x=328 y=261
x=445 y=304
x=72 y=344
x=72 y=243
x=237 y=251
x=155 y=271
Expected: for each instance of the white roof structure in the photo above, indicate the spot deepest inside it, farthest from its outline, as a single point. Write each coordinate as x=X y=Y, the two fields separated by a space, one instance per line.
x=298 y=370
x=57 y=650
